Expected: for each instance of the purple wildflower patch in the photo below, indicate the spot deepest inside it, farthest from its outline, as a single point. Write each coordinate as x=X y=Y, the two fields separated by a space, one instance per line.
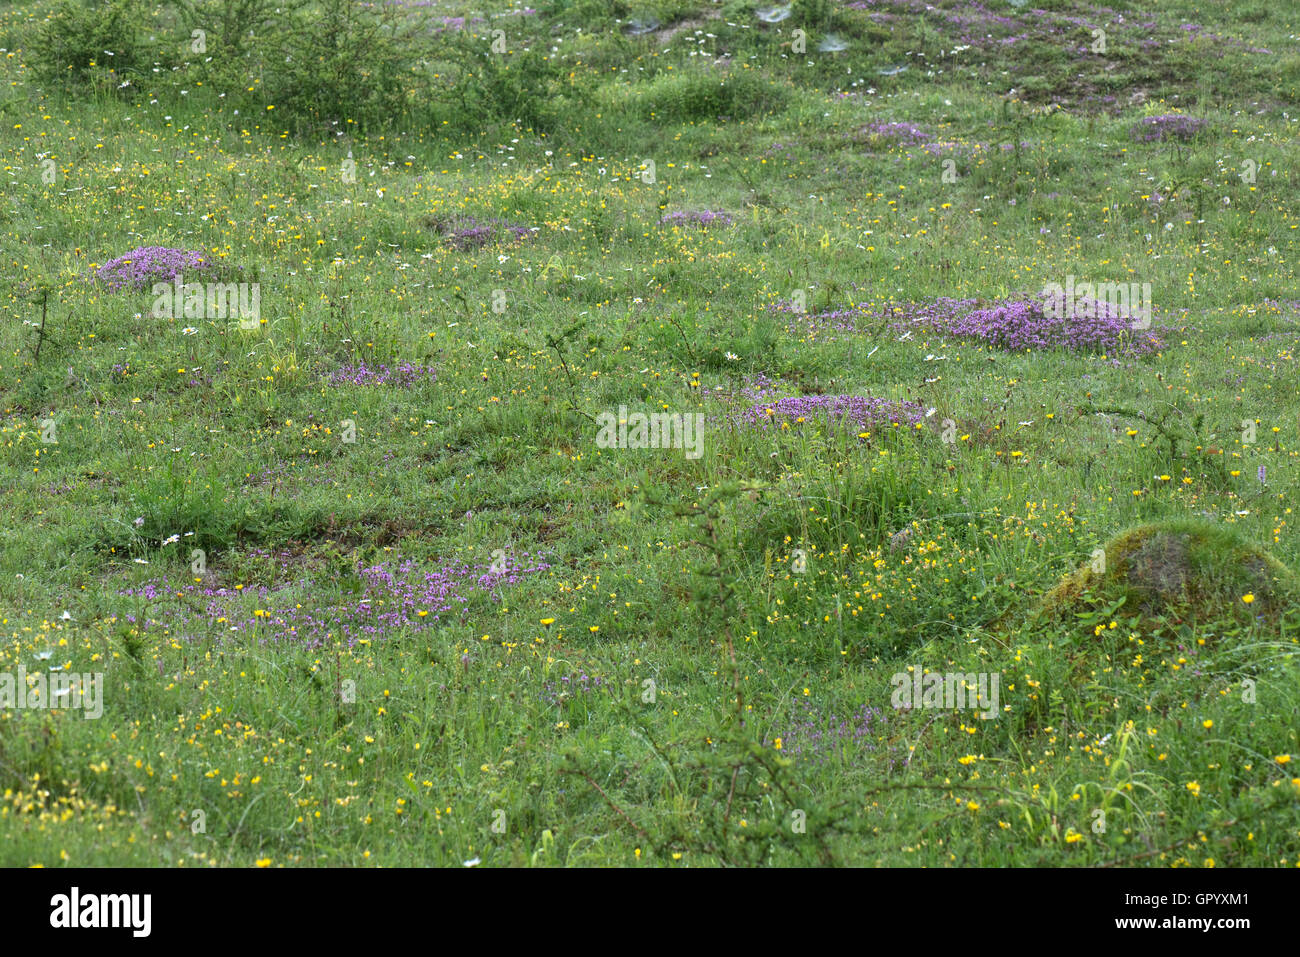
x=1017 y=324
x=389 y=597
x=1168 y=126
x=142 y=267
x=1013 y=325
x=696 y=217
x=404 y=376
x=825 y=325
x=897 y=133
x=816 y=736
x=463 y=233
x=569 y=687
x=856 y=412
x=940 y=147
x=765 y=403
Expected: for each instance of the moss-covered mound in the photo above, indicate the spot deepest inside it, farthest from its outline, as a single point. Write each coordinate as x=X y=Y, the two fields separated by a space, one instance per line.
x=1183 y=569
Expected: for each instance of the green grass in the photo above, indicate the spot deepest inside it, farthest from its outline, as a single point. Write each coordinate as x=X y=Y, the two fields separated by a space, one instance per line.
x=701 y=610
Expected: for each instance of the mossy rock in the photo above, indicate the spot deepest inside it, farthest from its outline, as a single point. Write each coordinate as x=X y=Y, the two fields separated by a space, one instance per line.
x=1185 y=570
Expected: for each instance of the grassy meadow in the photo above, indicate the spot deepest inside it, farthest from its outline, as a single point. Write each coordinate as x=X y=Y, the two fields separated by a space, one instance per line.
x=365 y=589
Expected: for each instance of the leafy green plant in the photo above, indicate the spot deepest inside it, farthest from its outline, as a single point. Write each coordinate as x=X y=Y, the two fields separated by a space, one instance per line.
x=91 y=40
x=683 y=97
x=521 y=86
x=316 y=77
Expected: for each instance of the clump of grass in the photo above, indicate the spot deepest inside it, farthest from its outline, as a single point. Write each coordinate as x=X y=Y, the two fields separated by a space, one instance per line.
x=1185 y=567
x=1167 y=126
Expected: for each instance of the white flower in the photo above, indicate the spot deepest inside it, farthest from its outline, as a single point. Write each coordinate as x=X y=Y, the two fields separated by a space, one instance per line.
x=188 y=331
x=733 y=357
x=173 y=538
